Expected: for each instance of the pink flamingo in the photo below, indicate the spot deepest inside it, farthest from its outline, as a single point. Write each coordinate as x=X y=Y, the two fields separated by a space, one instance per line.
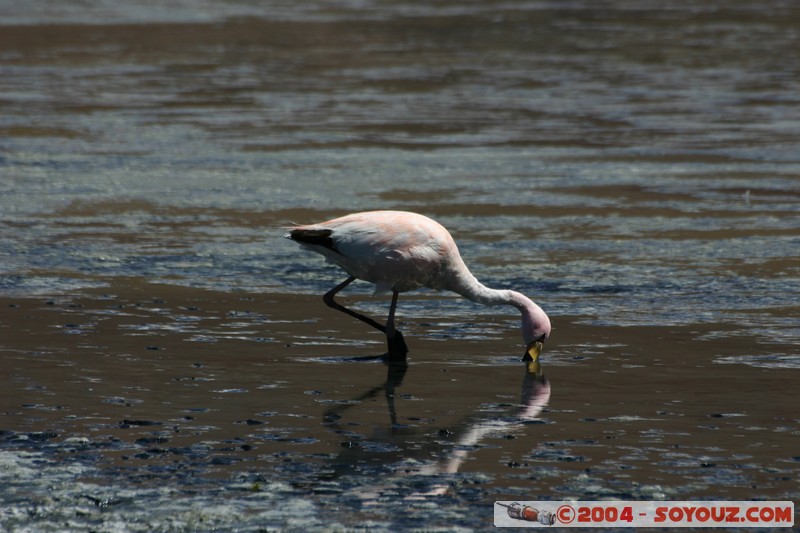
x=399 y=251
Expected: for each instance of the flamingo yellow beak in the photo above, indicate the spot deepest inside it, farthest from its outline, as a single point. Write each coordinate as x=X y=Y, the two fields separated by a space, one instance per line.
x=533 y=351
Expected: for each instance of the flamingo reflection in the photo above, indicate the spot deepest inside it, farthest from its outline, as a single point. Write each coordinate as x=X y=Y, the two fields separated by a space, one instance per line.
x=535 y=395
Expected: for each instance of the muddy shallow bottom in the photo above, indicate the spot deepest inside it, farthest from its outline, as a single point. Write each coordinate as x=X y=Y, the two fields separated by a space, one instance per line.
x=143 y=407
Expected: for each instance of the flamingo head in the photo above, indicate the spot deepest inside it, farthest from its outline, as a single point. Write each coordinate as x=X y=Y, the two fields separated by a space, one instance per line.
x=535 y=330
x=533 y=350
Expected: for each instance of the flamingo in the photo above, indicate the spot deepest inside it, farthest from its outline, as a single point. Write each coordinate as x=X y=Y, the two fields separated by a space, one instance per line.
x=399 y=251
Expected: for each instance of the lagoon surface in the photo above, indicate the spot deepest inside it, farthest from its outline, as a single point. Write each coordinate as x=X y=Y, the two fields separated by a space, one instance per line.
x=167 y=361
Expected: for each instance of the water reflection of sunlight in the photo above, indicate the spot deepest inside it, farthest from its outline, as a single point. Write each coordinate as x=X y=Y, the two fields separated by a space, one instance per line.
x=535 y=395
x=775 y=360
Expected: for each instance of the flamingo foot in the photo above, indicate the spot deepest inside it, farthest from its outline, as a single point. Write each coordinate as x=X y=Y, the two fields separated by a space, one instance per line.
x=397 y=348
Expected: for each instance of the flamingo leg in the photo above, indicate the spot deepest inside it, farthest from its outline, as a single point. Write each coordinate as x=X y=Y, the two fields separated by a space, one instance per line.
x=397 y=345
x=333 y=304
x=390 y=331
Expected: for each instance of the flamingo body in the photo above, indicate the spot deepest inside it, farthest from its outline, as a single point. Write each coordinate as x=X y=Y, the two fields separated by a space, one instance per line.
x=400 y=251
x=395 y=250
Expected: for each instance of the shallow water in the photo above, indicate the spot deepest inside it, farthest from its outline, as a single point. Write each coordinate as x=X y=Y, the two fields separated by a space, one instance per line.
x=168 y=361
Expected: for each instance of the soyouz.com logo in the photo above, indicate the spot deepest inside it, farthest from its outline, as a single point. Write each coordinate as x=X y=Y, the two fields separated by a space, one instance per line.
x=644 y=514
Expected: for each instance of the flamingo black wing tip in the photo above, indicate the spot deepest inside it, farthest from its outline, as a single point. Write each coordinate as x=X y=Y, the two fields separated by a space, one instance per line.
x=317 y=237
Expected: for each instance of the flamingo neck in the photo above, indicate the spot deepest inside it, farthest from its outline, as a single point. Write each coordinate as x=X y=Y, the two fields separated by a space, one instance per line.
x=535 y=321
